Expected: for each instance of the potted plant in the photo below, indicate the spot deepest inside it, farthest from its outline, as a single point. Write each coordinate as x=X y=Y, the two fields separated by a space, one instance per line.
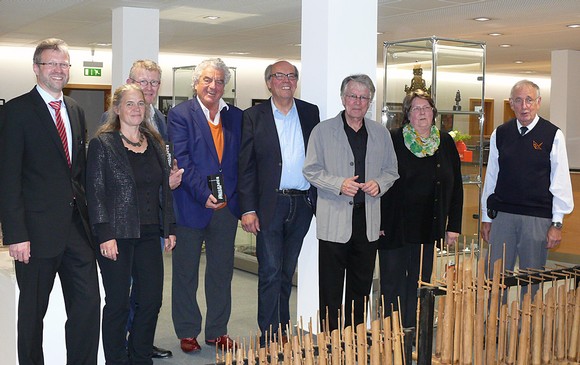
x=460 y=139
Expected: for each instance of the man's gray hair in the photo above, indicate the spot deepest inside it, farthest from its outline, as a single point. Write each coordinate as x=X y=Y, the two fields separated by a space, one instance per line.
x=215 y=63
x=522 y=83
x=361 y=79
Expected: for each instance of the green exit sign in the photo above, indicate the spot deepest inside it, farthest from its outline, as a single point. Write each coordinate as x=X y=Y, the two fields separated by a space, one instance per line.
x=93 y=72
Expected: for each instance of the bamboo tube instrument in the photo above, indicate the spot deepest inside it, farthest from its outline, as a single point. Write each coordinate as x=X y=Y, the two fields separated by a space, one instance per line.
x=491 y=333
x=397 y=335
x=561 y=323
x=468 y=312
x=513 y=334
x=502 y=333
x=537 y=329
x=447 y=346
x=524 y=338
x=439 y=338
x=387 y=341
x=480 y=314
x=574 y=336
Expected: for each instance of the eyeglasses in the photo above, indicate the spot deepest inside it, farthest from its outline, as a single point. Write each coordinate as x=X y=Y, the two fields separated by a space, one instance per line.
x=62 y=65
x=528 y=101
x=281 y=76
x=360 y=98
x=421 y=109
x=144 y=83
x=209 y=80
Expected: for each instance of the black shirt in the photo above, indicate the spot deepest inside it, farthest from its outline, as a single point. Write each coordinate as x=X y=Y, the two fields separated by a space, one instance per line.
x=358 y=144
x=148 y=177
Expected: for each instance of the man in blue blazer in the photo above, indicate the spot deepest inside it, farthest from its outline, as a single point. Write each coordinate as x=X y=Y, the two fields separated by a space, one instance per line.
x=275 y=198
x=206 y=133
x=43 y=209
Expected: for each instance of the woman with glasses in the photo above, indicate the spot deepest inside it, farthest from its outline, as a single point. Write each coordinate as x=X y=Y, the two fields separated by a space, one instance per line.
x=130 y=207
x=424 y=205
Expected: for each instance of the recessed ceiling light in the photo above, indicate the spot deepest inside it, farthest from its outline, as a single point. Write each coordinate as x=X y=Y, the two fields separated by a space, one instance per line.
x=379 y=33
x=495 y=34
x=528 y=72
x=482 y=19
x=518 y=61
x=100 y=44
x=573 y=25
x=505 y=45
x=239 y=53
x=211 y=17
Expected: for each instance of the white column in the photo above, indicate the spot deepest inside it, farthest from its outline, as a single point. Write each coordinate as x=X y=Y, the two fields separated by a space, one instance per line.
x=339 y=38
x=564 y=106
x=135 y=36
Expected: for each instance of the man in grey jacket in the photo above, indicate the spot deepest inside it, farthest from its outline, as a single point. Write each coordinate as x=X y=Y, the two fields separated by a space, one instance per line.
x=352 y=163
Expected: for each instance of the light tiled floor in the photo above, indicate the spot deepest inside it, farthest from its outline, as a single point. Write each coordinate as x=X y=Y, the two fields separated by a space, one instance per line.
x=243 y=321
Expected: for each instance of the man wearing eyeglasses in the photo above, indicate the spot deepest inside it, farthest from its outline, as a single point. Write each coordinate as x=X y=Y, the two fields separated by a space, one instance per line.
x=147 y=74
x=275 y=198
x=352 y=163
x=527 y=187
x=43 y=209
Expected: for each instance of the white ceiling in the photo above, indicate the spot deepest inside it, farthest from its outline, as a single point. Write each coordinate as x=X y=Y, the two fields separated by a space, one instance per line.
x=271 y=28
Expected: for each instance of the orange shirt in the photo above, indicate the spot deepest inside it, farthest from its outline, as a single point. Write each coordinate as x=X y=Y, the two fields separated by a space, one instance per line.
x=217 y=133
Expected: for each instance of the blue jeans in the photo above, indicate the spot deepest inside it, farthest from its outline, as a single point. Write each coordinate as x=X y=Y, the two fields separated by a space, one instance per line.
x=277 y=250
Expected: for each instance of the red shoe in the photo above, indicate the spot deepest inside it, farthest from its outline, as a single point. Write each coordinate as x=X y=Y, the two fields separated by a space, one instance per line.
x=223 y=341
x=190 y=344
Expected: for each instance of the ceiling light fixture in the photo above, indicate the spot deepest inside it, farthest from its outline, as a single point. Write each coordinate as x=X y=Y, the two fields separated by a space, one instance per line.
x=100 y=44
x=573 y=25
x=505 y=45
x=518 y=62
x=495 y=34
x=482 y=19
x=211 y=17
x=238 y=53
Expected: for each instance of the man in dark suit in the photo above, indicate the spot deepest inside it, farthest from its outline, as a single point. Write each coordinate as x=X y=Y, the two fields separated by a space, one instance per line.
x=205 y=132
x=275 y=198
x=43 y=209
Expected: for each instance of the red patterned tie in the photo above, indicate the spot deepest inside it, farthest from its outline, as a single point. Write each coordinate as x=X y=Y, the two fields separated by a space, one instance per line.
x=60 y=127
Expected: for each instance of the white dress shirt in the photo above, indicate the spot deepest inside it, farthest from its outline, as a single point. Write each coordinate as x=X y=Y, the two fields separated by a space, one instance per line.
x=560 y=183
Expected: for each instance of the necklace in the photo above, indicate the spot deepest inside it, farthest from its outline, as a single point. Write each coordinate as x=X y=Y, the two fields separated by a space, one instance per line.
x=134 y=144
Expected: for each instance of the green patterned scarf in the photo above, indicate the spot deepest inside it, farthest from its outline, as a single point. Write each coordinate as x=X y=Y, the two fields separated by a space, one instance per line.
x=419 y=146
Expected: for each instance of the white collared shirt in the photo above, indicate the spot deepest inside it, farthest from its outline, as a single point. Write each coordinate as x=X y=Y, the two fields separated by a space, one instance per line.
x=217 y=118
x=47 y=99
x=560 y=183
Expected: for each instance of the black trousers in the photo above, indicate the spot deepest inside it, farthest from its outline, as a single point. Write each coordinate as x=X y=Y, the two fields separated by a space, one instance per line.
x=77 y=271
x=142 y=260
x=400 y=276
x=354 y=259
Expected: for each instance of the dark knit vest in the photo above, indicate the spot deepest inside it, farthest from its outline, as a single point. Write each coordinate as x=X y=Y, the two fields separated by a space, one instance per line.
x=523 y=182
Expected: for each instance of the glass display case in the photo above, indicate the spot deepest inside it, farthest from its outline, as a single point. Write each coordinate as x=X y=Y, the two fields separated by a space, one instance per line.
x=453 y=71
